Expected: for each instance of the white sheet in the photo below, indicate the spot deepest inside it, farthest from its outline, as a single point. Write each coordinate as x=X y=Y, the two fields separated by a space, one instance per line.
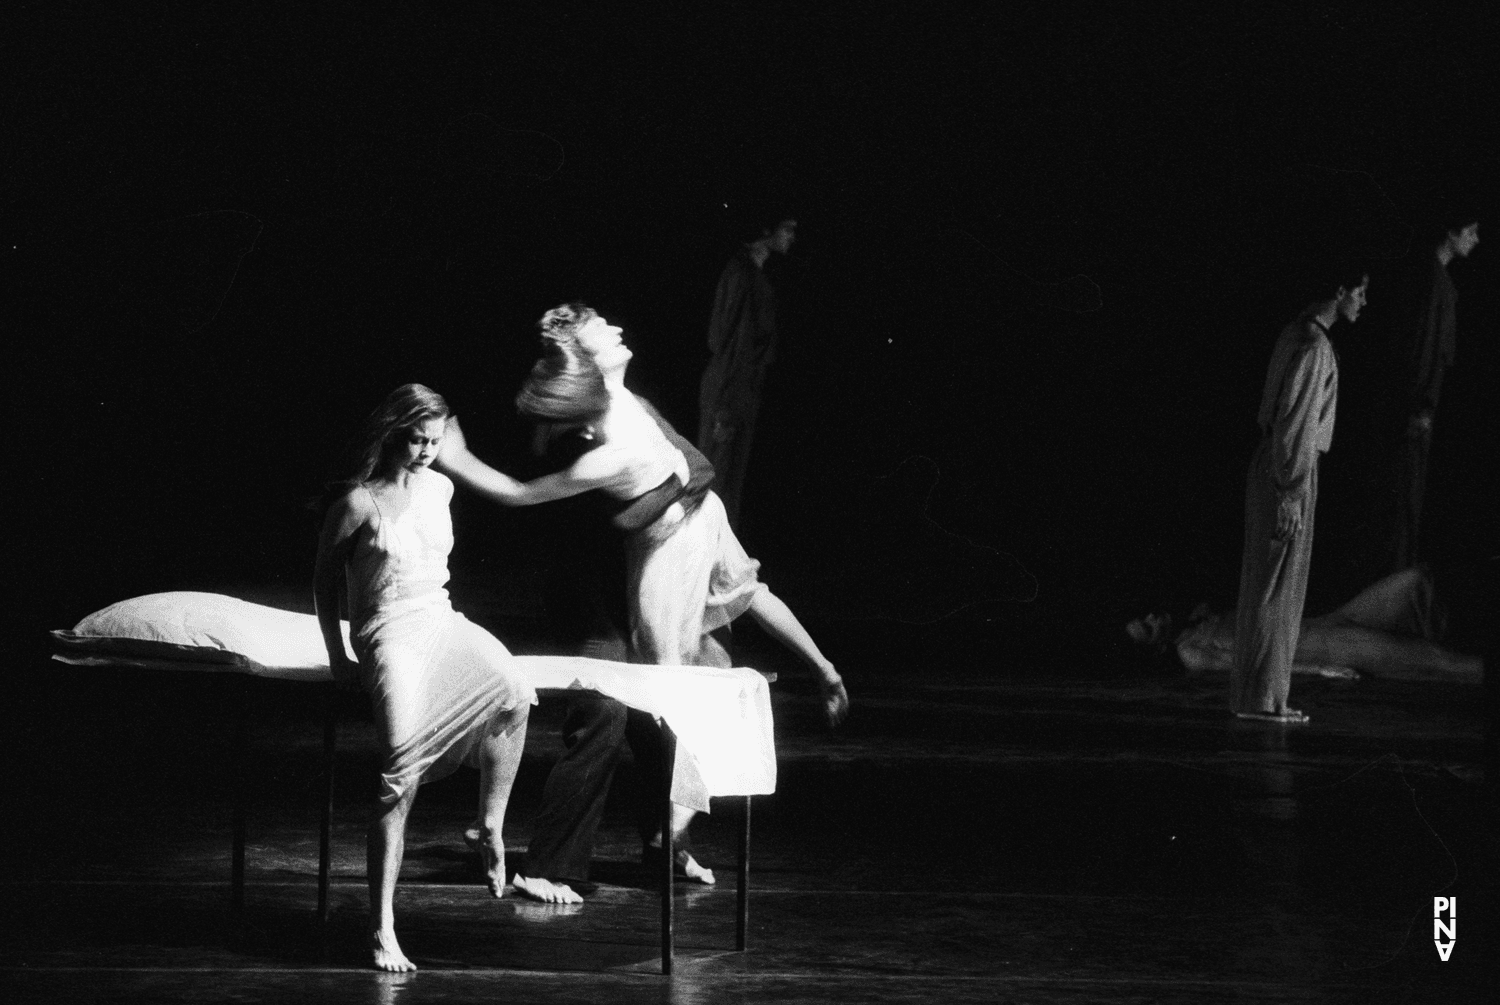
x=722 y=718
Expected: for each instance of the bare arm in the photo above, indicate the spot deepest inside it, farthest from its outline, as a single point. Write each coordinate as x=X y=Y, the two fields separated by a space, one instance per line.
x=335 y=544
x=772 y=614
x=459 y=463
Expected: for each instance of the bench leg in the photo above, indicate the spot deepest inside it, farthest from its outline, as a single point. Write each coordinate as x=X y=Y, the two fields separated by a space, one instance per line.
x=742 y=921
x=325 y=834
x=237 y=783
x=669 y=852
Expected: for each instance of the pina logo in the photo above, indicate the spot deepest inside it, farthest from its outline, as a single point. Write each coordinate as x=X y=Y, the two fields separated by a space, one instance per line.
x=1444 y=929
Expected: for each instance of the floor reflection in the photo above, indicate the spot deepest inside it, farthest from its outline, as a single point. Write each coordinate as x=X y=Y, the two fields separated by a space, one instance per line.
x=963 y=838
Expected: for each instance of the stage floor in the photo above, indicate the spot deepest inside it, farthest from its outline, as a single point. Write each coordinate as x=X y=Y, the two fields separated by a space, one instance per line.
x=978 y=831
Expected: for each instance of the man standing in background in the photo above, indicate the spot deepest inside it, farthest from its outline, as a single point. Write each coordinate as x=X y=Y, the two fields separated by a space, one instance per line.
x=1424 y=350
x=742 y=343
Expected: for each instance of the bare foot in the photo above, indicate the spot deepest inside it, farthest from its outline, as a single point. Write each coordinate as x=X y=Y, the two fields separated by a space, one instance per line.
x=490 y=847
x=688 y=867
x=387 y=953
x=545 y=890
x=684 y=865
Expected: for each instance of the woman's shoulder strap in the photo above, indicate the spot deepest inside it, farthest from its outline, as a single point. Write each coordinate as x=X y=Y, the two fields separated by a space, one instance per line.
x=363 y=492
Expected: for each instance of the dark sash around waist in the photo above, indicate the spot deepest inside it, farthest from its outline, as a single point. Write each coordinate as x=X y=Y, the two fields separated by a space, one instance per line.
x=648 y=507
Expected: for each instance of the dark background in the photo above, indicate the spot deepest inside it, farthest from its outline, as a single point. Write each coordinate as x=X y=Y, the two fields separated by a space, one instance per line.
x=229 y=233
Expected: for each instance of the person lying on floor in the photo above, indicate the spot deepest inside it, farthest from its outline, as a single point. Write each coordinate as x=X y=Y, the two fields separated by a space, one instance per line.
x=1388 y=631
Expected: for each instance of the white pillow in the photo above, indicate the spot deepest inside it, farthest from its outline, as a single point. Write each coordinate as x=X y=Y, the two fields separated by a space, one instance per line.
x=177 y=629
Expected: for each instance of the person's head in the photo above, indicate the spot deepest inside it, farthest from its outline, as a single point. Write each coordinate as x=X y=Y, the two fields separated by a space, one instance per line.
x=780 y=237
x=567 y=384
x=1461 y=239
x=1450 y=227
x=1155 y=630
x=604 y=343
x=1344 y=287
x=765 y=221
x=404 y=432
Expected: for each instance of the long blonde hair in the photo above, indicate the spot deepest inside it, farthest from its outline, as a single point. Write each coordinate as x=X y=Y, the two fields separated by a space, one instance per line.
x=407 y=406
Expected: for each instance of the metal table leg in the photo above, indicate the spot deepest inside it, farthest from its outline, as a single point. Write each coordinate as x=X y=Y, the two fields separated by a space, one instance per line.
x=237 y=782
x=669 y=751
x=742 y=921
x=325 y=835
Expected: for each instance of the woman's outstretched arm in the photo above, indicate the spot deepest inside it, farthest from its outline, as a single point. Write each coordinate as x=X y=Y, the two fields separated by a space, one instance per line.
x=459 y=463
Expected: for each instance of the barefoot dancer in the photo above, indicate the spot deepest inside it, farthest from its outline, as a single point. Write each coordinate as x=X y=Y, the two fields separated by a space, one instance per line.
x=1281 y=493
x=440 y=687
x=687 y=573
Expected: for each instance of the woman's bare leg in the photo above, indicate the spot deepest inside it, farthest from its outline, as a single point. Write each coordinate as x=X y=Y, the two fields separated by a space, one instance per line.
x=387 y=845
x=499 y=757
x=772 y=614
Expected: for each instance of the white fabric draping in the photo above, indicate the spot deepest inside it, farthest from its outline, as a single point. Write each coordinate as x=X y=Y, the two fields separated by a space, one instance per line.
x=721 y=717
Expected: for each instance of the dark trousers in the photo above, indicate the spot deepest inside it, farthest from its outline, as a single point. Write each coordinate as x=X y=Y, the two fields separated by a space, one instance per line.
x=581 y=620
x=731 y=459
x=562 y=841
x=1411 y=487
x=586 y=622
x=648 y=747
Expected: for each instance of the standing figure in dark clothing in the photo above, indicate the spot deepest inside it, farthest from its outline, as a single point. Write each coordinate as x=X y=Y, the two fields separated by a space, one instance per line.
x=742 y=341
x=1296 y=418
x=583 y=615
x=1424 y=350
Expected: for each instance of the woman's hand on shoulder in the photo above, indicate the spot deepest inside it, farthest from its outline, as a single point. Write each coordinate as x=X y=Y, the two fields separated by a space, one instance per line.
x=454 y=444
x=443 y=482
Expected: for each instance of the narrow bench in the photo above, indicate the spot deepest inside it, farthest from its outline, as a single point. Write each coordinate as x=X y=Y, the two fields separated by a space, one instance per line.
x=717 y=723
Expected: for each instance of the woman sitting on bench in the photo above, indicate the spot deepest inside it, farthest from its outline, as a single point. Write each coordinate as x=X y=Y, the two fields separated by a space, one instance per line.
x=441 y=688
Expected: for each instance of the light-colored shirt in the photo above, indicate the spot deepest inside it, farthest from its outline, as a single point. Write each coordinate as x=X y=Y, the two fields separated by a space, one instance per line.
x=1298 y=404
